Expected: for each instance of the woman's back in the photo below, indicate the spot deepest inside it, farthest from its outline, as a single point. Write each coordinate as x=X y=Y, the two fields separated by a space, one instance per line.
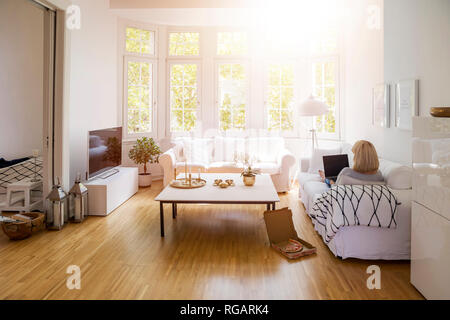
x=349 y=172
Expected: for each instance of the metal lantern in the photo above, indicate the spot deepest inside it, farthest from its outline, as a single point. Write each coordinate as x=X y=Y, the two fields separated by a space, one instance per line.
x=78 y=201
x=57 y=208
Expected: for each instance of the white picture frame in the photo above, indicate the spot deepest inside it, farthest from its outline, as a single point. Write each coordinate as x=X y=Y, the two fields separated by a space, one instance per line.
x=406 y=103
x=381 y=105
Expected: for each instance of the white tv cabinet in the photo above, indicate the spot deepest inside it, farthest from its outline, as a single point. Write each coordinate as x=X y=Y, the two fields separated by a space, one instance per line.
x=105 y=195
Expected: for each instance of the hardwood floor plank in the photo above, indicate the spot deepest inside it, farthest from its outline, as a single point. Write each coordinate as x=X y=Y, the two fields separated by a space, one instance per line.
x=209 y=252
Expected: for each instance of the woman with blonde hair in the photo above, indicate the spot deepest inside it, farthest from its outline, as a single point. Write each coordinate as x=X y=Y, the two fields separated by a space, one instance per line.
x=365 y=165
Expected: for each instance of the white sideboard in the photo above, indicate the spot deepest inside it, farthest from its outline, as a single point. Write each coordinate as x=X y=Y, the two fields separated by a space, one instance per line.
x=430 y=229
x=107 y=194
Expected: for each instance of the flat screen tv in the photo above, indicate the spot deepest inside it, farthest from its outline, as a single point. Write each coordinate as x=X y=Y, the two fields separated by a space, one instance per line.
x=105 y=150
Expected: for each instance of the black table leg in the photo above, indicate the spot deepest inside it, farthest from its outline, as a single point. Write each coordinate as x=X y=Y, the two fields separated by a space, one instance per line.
x=268 y=207
x=174 y=210
x=273 y=206
x=161 y=217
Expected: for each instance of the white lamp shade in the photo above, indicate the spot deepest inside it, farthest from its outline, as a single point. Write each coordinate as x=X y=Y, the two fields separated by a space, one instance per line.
x=312 y=107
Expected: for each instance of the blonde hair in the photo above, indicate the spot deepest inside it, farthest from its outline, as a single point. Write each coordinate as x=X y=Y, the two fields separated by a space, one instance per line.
x=366 y=157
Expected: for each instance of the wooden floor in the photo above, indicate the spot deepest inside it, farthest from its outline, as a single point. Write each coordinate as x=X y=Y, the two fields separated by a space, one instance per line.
x=209 y=252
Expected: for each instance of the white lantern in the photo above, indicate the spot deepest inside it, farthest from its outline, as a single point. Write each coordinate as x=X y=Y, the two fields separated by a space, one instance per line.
x=78 y=201
x=57 y=208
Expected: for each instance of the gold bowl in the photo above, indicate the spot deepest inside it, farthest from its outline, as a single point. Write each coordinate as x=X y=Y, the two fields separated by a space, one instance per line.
x=249 y=180
x=230 y=182
x=441 y=112
x=224 y=185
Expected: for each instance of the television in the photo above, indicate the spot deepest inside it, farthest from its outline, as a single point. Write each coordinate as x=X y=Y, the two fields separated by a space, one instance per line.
x=105 y=150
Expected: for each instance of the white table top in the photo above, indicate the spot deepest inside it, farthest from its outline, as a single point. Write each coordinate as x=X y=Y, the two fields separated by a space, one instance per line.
x=262 y=192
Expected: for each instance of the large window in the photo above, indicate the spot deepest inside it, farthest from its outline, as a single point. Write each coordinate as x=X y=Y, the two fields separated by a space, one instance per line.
x=280 y=97
x=232 y=93
x=139 y=81
x=325 y=88
x=183 y=96
x=139 y=96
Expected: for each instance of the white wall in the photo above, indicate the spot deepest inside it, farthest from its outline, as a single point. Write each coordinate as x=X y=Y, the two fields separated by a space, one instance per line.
x=93 y=79
x=21 y=78
x=363 y=68
x=417 y=46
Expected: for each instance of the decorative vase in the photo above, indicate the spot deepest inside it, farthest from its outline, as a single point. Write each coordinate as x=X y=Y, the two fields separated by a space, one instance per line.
x=441 y=112
x=249 y=180
x=145 y=179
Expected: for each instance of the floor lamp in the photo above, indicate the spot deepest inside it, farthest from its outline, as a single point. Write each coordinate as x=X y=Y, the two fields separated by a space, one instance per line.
x=312 y=107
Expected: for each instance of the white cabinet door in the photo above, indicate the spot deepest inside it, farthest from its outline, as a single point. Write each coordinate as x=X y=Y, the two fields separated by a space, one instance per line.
x=430 y=253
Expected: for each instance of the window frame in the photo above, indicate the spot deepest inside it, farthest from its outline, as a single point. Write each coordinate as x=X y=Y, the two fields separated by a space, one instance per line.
x=322 y=59
x=169 y=63
x=232 y=56
x=145 y=27
x=295 y=63
x=154 y=88
x=184 y=30
x=247 y=67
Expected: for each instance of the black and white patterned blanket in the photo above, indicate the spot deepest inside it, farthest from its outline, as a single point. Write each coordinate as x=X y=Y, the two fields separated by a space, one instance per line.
x=354 y=205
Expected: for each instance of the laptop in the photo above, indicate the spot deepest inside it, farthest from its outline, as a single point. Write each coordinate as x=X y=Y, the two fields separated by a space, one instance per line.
x=334 y=164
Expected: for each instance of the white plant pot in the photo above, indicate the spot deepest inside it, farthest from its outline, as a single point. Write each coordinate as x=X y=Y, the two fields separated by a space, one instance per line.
x=145 y=180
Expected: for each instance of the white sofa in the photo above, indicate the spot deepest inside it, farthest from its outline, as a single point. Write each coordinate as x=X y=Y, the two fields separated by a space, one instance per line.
x=363 y=242
x=217 y=155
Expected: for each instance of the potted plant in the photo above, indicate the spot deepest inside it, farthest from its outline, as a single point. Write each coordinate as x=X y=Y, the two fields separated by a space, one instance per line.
x=249 y=174
x=145 y=151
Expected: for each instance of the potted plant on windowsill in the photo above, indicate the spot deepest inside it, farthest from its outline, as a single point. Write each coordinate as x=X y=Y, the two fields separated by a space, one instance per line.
x=145 y=151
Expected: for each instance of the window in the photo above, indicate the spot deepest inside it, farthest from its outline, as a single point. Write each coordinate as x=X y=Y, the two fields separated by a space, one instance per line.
x=184 y=43
x=324 y=88
x=140 y=41
x=183 y=96
x=232 y=94
x=280 y=97
x=232 y=43
x=139 y=96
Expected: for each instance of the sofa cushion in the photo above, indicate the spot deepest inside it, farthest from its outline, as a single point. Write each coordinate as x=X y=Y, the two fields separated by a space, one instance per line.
x=197 y=150
x=267 y=167
x=316 y=163
x=225 y=148
x=305 y=177
x=312 y=189
x=397 y=176
x=265 y=149
x=225 y=167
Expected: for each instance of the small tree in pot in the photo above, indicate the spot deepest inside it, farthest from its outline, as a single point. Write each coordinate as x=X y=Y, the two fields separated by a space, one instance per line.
x=145 y=151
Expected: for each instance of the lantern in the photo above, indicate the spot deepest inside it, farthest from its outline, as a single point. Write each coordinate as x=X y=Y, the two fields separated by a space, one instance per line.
x=57 y=208
x=78 y=201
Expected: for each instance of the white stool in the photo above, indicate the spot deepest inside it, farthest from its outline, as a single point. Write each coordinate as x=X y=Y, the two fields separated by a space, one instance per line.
x=25 y=186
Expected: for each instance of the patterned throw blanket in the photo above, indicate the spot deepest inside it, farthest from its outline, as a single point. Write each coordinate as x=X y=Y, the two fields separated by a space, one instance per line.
x=354 y=205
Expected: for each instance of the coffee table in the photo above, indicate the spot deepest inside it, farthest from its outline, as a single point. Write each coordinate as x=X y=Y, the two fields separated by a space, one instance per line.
x=263 y=192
